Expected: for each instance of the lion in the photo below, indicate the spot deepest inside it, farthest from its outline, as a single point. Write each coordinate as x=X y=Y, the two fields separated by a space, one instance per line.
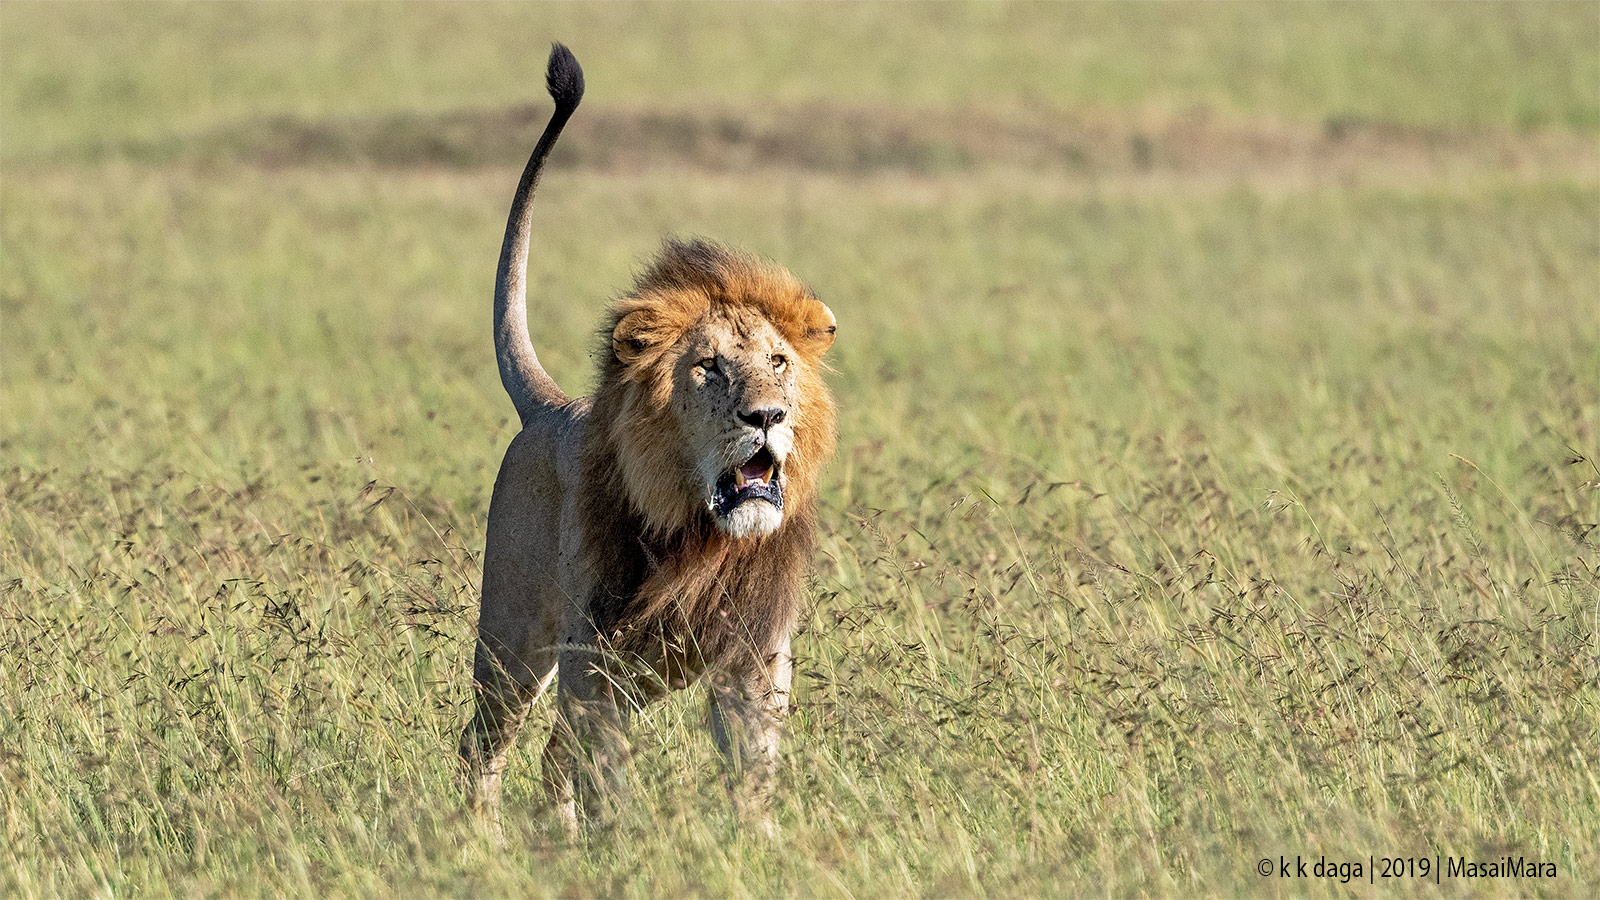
x=658 y=533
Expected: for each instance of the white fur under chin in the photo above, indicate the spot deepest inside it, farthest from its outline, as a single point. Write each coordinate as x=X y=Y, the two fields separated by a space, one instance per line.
x=752 y=518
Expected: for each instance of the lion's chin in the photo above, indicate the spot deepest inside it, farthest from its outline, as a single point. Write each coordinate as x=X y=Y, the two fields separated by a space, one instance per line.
x=751 y=519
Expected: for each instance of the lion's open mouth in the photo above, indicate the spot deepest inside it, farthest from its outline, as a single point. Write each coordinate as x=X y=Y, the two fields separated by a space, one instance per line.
x=754 y=479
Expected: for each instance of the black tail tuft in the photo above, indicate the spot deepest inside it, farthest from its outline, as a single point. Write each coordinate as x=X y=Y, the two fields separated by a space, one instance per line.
x=564 y=79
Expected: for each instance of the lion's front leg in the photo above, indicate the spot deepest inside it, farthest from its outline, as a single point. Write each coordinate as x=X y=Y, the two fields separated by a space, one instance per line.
x=747 y=713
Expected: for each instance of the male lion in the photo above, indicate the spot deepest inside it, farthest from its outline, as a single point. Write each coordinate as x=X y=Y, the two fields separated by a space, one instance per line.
x=659 y=530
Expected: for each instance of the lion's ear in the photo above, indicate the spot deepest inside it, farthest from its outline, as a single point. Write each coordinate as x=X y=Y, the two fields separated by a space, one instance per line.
x=631 y=338
x=819 y=328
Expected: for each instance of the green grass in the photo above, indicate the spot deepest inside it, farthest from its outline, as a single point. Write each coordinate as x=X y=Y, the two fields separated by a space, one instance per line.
x=77 y=75
x=1196 y=503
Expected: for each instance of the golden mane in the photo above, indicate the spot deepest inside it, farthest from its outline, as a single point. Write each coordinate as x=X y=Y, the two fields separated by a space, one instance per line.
x=672 y=571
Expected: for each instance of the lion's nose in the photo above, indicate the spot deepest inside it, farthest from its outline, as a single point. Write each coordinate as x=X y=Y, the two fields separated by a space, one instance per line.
x=763 y=418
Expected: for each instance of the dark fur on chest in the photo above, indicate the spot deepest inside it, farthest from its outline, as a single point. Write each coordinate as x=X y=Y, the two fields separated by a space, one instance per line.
x=695 y=598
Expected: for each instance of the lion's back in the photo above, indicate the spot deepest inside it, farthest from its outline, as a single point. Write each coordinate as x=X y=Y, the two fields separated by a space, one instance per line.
x=530 y=557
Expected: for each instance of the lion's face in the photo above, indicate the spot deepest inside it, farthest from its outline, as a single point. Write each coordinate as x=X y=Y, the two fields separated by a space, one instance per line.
x=721 y=407
x=733 y=395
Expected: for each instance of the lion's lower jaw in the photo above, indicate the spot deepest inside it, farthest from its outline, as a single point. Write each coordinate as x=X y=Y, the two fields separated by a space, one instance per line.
x=751 y=519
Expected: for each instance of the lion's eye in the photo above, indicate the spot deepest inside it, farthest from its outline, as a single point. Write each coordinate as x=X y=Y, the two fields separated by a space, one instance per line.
x=779 y=361
x=709 y=364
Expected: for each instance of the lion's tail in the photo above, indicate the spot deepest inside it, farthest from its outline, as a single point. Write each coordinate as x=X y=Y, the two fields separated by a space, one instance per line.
x=530 y=386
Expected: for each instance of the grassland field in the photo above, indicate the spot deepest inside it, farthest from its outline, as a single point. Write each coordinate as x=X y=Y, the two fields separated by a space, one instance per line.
x=1219 y=477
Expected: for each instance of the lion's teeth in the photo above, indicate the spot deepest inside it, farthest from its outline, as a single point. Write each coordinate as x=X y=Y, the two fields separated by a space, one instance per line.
x=752 y=473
